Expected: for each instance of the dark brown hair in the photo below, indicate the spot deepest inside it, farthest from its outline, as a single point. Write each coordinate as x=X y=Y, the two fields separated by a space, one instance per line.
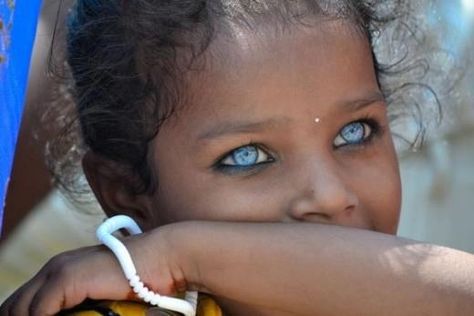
x=126 y=65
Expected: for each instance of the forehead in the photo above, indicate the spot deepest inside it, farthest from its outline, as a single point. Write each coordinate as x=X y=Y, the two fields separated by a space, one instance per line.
x=246 y=72
x=267 y=41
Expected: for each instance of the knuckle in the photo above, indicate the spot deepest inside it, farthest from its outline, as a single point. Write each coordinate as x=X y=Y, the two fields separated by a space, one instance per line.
x=14 y=304
x=15 y=310
x=65 y=258
x=59 y=260
x=44 y=302
x=38 y=311
x=35 y=306
x=63 y=274
x=33 y=310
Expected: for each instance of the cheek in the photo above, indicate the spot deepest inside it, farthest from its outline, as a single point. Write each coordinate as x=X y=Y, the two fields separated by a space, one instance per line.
x=380 y=192
x=384 y=204
x=185 y=192
x=203 y=197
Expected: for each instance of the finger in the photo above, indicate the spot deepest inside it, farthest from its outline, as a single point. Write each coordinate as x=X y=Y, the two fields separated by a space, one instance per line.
x=6 y=305
x=13 y=305
x=99 y=277
x=17 y=304
x=48 y=299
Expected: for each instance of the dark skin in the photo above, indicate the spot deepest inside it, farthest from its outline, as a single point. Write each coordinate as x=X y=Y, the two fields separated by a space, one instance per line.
x=358 y=273
x=264 y=237
x=270 y=92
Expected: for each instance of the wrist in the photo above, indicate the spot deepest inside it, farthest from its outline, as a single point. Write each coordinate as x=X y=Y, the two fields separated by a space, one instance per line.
x=186 y=248
x=168 y=257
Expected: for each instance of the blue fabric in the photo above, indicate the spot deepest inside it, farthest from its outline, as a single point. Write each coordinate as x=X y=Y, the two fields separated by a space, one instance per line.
x=18 y=28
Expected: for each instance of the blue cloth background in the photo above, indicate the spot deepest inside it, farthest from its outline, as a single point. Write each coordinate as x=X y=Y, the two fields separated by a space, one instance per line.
x=18 y=28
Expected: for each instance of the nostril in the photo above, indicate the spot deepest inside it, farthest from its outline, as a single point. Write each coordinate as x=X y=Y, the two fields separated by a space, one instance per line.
x=314 y=216
x=323 y=216
x=349 y=209
x=329 y=208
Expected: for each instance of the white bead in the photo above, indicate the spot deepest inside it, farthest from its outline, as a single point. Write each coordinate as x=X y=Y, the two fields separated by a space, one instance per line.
x=143 y=293
x=139 y=286
x=148 y=296
x=104 y=234
x=135 y=282
x=134 y=279
x=155 y=300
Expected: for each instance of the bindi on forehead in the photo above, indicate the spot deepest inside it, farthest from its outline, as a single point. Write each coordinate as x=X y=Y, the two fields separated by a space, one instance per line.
x=310 y=69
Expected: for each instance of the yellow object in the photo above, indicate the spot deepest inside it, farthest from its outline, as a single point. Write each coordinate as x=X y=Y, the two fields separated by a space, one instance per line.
x=206 y=307
x=117 y=307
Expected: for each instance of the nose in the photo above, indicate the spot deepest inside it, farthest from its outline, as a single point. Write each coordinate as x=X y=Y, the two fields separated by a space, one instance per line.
x=325 y=195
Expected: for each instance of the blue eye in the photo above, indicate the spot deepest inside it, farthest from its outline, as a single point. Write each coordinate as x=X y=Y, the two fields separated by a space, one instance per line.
x=245 y=157
x=353 y=134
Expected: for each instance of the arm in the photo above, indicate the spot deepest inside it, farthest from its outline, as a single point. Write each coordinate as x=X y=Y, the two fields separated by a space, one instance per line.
x=307 y=269
x=326 y=270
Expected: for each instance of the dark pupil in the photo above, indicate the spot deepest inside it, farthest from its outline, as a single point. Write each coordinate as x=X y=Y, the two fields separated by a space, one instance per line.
x=353 y=133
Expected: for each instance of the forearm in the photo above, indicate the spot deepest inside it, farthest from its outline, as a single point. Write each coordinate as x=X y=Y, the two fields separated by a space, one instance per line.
x=318 y=269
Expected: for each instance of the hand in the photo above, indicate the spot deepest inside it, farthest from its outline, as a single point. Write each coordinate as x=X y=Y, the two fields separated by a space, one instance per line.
x=94 y=273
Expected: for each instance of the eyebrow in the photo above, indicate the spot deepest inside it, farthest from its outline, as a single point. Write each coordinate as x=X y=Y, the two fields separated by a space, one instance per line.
x=369 y=99
x=241 y=127
x=245 y=126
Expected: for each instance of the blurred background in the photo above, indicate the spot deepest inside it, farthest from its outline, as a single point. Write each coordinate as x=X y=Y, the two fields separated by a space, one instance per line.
x=438 y=178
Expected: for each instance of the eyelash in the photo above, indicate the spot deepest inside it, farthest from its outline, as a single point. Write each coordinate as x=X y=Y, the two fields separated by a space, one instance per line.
x=375 y=130
x=236 y=169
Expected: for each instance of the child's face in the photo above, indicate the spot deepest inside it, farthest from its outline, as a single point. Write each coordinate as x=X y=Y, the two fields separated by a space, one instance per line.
x=281 y=128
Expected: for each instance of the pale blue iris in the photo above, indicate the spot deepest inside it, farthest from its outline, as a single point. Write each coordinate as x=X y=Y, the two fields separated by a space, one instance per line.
x=245 y=156
x=353 y=133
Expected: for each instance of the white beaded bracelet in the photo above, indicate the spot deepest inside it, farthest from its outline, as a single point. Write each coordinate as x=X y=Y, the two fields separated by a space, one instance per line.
x=104 y=233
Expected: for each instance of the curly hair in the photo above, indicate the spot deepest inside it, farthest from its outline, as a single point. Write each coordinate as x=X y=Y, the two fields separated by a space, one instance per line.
x=127 y=61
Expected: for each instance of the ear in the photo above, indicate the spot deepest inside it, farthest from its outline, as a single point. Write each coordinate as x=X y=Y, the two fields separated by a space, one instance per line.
x=113 y=185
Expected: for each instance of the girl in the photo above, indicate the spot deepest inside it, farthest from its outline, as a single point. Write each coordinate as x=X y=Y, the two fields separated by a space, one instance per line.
x=255 y=135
